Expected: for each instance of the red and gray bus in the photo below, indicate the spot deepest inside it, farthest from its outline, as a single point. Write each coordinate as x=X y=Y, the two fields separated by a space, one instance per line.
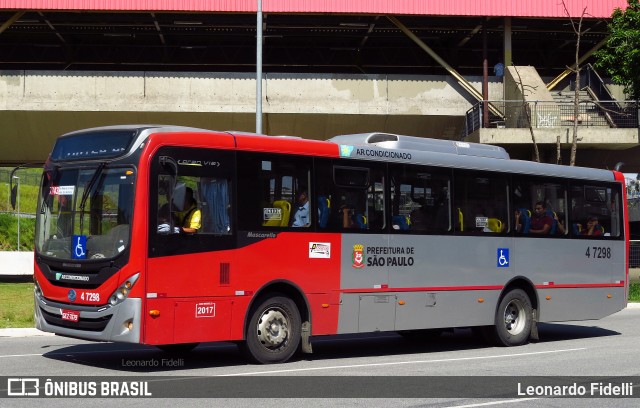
x=401 y=234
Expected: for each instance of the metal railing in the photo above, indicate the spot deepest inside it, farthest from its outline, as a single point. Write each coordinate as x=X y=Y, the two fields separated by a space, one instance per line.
x=552 y=114
x=634 y=253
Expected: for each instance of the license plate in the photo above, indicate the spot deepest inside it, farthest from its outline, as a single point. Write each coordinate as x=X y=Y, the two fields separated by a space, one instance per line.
x=70 y=315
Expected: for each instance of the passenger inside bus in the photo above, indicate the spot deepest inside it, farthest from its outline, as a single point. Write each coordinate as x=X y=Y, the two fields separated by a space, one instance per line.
x=541 y=221
x=348 y=217
x=301 y=216
x=593 y=228
x=192 y=215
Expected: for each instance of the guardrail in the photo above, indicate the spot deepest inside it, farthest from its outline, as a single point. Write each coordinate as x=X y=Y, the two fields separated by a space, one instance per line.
x=551 y=114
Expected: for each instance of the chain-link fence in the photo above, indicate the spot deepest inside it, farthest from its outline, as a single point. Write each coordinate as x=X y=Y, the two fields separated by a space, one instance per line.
x=634 y=253
x=27 y=177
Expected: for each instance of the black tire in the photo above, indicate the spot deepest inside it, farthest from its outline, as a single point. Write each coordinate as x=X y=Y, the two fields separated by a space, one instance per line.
x=273 y=332
x=178 y=348
x=513 y=319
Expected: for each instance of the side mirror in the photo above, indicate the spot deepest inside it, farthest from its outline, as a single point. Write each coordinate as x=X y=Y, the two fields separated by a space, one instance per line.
x=14 y=194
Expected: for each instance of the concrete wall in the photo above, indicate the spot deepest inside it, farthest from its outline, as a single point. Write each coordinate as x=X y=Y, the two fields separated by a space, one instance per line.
x=231 y=92
x=38 y=106
x=14 y=263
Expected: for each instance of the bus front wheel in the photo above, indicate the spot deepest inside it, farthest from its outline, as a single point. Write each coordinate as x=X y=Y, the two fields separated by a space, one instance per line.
x=513 y=319
x=273 y=333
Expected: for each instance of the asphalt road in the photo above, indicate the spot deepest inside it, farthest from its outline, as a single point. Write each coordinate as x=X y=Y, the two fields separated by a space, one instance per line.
x=385 y=365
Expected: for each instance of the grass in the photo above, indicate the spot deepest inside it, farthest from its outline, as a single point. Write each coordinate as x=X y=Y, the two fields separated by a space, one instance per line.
x=16 y=305
x=29 y=185
x=634 y=292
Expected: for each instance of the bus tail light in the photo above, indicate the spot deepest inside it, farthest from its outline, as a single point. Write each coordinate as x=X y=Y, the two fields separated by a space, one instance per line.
x=123 y=291
x=154 y=313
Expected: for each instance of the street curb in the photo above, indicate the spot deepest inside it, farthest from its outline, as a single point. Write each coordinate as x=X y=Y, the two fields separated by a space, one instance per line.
x=23 y=332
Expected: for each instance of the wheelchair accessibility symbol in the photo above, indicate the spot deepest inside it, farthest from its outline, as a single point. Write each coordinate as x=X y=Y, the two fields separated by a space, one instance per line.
x=79 y=247
x=502 y=258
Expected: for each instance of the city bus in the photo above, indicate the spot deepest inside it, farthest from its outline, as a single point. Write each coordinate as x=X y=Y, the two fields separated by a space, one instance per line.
x=296 y=239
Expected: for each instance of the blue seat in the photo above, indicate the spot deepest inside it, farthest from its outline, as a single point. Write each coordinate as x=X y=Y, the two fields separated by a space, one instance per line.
x=554 y=225
x=361 y=221
x=401 y=222
x=525 y=220
x=577 y=228
x=324 y=211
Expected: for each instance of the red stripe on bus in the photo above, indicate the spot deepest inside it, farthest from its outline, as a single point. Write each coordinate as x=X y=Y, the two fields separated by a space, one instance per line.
x=469 y=288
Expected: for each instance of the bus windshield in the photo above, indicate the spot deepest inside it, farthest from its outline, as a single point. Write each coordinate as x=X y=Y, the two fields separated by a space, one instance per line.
x=85 y=213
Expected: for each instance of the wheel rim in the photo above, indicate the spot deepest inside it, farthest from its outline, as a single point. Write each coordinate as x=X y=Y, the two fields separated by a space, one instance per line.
x=514 y=317
x=273 y=328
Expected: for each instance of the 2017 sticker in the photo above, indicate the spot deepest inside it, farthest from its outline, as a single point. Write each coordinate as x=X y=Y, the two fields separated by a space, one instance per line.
x=205 y=309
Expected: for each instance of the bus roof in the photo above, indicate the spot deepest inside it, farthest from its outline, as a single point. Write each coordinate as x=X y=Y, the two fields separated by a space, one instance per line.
x=392 y=141
x=389 y=147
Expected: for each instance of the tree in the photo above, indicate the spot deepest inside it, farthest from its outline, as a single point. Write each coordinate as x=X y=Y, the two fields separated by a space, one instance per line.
x=620 y=56
x=577 y=29
x=527 y=112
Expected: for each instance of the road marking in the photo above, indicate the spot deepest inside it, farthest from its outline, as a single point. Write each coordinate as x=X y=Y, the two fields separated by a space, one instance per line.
x=20 y=355
x=486 y=404
x=447 y=360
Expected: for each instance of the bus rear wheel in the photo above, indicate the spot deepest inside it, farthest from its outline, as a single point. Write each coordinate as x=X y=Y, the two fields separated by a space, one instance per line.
x=513 y=319
x=273 y=333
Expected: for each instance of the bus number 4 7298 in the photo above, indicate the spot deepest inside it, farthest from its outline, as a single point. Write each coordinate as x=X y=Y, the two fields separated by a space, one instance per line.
x=598 y=252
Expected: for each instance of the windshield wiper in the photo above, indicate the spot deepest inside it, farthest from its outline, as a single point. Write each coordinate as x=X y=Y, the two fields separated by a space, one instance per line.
x=87 y=190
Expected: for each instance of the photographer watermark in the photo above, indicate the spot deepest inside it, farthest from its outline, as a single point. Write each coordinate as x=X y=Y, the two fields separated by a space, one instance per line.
x=177 y=386
x=153 y=363
x=35 y=387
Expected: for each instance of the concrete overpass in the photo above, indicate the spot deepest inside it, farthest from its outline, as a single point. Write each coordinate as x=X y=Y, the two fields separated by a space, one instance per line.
x=38 y=106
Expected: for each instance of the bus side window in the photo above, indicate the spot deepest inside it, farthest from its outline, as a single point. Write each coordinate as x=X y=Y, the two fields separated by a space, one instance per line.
x=351 y=197
x=595 y=211
x=481 y=202
x=274 y=192
x=538 y=203
x=420 y=199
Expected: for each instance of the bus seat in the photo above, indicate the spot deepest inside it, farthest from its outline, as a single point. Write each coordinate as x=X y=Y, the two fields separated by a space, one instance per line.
x=361 y=221
x=285 y=208
x=324 y=211
x=495 y=225
x=401 y=222
x=460 y=219
x=525 y=219
x=577 y=228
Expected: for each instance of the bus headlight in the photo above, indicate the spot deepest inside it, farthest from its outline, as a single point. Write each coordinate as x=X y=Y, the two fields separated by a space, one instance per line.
x=36 y=288
x=122 y=292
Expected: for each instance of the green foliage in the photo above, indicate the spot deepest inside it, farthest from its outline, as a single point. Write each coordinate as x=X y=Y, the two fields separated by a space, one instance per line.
x=16 y=305
x=29 y=185
x=634 y=292
x=620 y=56
x=9 y=233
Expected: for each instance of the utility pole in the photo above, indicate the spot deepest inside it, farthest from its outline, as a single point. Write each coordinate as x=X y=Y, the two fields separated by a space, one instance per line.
x=18 y=205
x=259 y=69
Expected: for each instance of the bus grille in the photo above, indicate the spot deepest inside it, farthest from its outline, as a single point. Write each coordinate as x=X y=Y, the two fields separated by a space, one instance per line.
x=224 y=273
x=85 y=324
